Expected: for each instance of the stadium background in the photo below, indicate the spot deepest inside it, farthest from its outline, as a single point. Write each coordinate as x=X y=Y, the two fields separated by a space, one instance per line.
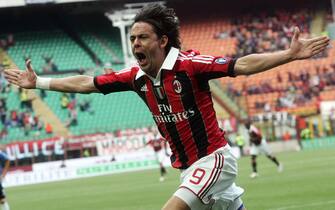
x=97 y=135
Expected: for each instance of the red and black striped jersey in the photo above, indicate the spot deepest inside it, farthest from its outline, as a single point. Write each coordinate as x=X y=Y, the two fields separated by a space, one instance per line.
x=255 y=135
x=180 y=101
x=157 y=144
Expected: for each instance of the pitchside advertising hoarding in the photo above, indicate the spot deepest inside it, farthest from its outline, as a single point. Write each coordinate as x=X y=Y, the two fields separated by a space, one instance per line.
x=29 y=149
x=57 y=171
x=114 y=155
x=106 y=144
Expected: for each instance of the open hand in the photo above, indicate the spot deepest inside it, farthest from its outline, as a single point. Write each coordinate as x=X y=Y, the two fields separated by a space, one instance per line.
x=25 y=79
x=306 y=48
x=108 y=70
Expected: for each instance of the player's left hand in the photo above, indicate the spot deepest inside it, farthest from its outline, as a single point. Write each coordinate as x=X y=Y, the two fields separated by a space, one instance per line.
x=305 y=48
x=108 y=70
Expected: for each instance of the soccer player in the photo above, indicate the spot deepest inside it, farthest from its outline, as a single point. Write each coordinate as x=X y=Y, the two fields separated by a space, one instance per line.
x=174 y=86
x=239 y=141
x=4 y=166
x=158 y=144
x=258 y=145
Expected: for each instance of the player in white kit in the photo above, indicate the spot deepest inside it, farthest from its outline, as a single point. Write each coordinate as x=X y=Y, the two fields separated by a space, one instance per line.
x=159 y=146
x=259 y=145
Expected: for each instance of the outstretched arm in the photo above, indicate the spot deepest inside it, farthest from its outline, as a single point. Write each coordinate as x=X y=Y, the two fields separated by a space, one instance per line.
x=299 y=49
x=29 y=80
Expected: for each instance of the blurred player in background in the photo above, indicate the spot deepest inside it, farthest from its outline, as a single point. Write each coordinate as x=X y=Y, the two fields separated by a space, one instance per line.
x=4 y=161
x=158 y=144
x=174 y=86
x=240 y=142
x=258 y=145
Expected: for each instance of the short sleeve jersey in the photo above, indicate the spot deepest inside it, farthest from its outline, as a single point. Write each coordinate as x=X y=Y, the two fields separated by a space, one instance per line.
x=180 y=101
x=255 y=135
x=156 y=144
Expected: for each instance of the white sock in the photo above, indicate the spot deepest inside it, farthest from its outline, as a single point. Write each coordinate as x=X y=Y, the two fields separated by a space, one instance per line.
x=5 y=206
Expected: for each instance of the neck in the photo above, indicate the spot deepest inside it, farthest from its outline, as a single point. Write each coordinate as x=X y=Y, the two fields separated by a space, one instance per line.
x=153 y=73
x=160 y=58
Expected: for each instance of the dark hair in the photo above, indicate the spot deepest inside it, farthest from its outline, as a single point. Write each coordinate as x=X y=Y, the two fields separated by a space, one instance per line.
x=164 y=22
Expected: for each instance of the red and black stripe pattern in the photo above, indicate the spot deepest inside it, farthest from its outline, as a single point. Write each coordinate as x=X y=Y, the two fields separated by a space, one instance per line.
x=180 y=102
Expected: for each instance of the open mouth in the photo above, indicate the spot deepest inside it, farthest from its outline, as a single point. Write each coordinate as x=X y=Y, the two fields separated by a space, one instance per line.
x=141 y=58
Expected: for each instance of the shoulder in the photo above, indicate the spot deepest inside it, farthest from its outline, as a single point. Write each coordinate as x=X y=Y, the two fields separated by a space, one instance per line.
x=130 y=71
x=123 y=74
x=186 y=59
x=187 y=55
x=194 y=57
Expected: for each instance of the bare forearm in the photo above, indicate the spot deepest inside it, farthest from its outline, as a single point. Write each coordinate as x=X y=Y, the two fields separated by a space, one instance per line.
x=255 y=63
x=73 y=84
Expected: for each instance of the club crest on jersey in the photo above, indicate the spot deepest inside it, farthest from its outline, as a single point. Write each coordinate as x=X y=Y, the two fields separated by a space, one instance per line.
x=177 y=86
x=221 y=61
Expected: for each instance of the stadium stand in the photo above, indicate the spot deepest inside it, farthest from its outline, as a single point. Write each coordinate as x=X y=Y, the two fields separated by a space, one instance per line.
x=242 y=36
x=58 y=45
x=102 y=39
x=51 y=42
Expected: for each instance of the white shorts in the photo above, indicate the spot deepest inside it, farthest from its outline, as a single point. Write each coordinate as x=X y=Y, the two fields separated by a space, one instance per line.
x=209 y=182
x=160 y=156
x=263 y=148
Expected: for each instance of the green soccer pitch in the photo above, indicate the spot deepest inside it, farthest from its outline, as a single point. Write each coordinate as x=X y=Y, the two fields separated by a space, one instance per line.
x=307 y=183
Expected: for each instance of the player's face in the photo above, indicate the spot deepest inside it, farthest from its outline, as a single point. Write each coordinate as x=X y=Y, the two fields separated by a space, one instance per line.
x=147 y=47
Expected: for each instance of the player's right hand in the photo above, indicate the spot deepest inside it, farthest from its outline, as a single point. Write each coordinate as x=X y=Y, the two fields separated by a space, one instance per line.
x=25 y=79
x=305 y=48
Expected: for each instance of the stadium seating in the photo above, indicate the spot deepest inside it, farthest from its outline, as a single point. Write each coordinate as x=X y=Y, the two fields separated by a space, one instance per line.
x=212 y=36
x=201 y=36
x=125 y=110
x=112 y=112
x=65 y=53
x=14 y=131
x=103 y=39
x=109 y=113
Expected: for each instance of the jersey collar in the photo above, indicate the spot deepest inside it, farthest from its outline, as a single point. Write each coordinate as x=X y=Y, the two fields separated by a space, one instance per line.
x=168 y=64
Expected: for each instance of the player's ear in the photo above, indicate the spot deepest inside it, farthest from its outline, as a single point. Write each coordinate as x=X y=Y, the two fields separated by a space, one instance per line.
x=164 y=41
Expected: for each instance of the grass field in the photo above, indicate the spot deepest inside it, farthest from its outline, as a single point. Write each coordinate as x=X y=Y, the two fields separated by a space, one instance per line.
x=307 y=183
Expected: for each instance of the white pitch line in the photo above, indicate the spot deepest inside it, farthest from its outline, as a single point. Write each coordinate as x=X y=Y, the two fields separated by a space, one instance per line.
x=305 y=205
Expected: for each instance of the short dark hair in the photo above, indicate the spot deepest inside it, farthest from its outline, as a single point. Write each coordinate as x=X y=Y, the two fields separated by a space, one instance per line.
x=164 y=22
